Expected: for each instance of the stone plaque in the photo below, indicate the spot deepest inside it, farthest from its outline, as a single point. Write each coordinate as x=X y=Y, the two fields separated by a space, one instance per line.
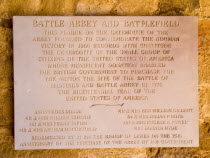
x=105 y=82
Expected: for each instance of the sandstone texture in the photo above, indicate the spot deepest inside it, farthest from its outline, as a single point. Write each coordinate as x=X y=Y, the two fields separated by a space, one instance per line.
x=9 y=8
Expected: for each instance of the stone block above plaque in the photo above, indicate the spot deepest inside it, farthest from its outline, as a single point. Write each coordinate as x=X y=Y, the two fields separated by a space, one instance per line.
x=105 y=82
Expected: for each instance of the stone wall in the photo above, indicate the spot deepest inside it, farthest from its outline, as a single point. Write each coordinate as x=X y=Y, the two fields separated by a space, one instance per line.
x=9 y=8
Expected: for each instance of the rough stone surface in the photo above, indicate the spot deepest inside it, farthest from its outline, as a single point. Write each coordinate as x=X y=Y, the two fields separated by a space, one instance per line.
x=8 y=8
x=205 y=7
x=204 y=32
x=204 y=68
x=113 y=153
x=174 y=153
x=93 y=7
x=178 y=7
x=136 y=7
x=204 y=101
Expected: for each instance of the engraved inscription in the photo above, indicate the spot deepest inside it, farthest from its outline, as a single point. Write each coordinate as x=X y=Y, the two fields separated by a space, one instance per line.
x=105 y=82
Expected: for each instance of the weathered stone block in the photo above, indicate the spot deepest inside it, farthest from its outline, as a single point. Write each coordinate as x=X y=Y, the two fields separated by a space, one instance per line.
x=137 y=7
x=113 y=153
x=205 y=134
x=178 y=7
x=204 y=33
x=95 y=7
x=23 y=7
x=55 y=7
x=6 y=107
x=205 y=8
x=6 y=66
x=114 y=7
x=173 y=153
x=204 y=68
x=4 y=9
x=204 y=101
